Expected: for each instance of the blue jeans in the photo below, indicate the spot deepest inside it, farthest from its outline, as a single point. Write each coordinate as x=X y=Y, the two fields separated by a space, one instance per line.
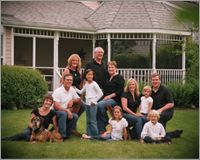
x=143 y=118
x=136 y=122
x=99 y=137
x=91 y=121
x=65 y=125
x=102 y=116
x=25 y=135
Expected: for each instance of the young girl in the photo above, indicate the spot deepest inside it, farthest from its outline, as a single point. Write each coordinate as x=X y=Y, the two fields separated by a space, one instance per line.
x=145 y=104
x=153 y=131
x=93 y=94
x=117 y=127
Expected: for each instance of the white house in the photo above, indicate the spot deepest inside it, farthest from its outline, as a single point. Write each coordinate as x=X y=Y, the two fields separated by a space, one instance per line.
x=43 y=34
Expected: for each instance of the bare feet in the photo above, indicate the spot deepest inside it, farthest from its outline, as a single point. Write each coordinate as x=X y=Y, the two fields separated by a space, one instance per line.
x=141 y=140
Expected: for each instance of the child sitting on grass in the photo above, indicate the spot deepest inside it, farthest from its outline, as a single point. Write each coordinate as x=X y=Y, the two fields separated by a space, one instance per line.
x=153 y=131
x=117 y=126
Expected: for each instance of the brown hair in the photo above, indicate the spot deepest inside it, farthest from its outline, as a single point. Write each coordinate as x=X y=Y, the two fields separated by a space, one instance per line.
x=68 y=75
x=112 y=63
x=120 y=109
x=154 y=75
x=47 y=96
x=86 y=72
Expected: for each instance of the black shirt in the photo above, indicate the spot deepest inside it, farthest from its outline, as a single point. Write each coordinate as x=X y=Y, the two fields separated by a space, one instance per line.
x=131 y=104
x=161 y=97
x=116 y=85
x=47 y=118
x=100 y=71
x=76 y=78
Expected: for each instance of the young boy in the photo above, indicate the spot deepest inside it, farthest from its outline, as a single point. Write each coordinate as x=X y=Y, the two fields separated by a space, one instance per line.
x=153 y=131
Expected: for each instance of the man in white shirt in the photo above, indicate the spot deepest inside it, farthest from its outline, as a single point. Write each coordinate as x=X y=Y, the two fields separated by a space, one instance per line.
x=64 y=97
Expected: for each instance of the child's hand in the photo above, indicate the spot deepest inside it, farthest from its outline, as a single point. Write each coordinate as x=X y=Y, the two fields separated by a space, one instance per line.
x=104 y=135
x=159 y=138
x=92 y=104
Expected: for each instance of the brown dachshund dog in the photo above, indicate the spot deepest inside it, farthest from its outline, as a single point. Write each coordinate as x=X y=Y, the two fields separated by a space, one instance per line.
x=39 y=134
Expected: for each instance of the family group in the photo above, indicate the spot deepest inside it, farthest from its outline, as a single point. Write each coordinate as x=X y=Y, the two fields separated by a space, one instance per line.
x=148 y=112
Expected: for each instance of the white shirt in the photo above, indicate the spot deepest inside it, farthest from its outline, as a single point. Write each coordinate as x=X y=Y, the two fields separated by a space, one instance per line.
x=63 y=97
x=145 y=104
x=93 y=92
x=117 y=128
x=152 y=130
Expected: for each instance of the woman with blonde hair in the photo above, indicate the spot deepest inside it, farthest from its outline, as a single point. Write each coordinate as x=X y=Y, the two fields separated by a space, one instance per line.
x=74 y=67
x=130 y=101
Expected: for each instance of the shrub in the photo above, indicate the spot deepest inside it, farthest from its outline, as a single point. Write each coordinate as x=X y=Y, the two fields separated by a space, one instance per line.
x=132 y=60
x=195 y=93
x=21 y=87
x=182 y=94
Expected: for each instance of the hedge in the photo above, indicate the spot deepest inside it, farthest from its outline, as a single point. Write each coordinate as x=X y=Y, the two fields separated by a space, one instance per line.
x=21 y=87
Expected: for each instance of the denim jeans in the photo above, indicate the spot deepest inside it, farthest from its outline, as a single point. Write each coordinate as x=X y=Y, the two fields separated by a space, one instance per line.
x=91 y=121
x=143 y=118
x=25 y=135
x=102 y=116
x=99 y=137
x=65 y=125
x=136 y=122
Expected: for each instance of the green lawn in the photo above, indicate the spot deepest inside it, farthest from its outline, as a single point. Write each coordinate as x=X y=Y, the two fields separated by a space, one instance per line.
x=185 y=147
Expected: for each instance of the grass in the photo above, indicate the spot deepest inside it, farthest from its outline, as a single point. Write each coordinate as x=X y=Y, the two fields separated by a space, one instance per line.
x=185 y=147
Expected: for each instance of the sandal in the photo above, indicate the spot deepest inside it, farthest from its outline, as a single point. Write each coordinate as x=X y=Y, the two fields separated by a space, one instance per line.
x=84 y=136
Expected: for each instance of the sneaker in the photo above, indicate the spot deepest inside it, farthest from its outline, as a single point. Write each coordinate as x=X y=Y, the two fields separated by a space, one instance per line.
x=84 y=136
x=180 y=130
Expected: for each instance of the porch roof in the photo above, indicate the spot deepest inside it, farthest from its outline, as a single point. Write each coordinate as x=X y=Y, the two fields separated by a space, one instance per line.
x=135 y=14
x=55 y=13
x=123 y=15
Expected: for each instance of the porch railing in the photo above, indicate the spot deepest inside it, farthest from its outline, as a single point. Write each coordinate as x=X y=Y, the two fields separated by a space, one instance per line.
x=144 y=75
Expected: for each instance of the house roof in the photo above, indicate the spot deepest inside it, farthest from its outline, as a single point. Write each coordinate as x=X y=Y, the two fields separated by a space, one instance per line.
x=75 y=15
x=135 y=14
x=56 y=13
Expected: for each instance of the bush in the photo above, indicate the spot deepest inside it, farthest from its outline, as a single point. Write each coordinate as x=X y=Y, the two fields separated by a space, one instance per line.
x=21 y=87
x=182 y=94
x=195 y=93
x=132 y=60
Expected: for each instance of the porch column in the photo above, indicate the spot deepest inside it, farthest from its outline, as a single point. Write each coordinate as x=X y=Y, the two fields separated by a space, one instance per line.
x=34 y=51
x=109 y=46
x=154 y=53
x=183 y=59
x=56 y=78
x=93 y=44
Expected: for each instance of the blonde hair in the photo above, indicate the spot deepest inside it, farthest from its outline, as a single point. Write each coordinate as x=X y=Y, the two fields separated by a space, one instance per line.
x=131 y=80
x=148 y=89
x=154 y=112
x=78 y=68
x=120 y=109
x=112 y=63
